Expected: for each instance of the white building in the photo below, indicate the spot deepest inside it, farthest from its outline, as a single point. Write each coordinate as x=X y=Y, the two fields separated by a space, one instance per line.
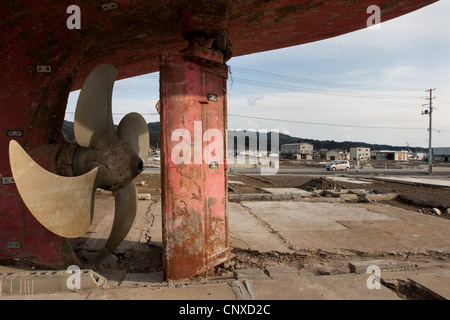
x=360 y=153
x=417 y=155
x=401 y=155
x=301 y=150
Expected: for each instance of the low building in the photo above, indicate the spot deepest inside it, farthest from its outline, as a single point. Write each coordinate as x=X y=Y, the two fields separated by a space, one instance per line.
x=360 y=153
x=394 y=155
x=303 y=150
x=320 y=154
x=417 y=156
x=337 y=155
x=441 y=154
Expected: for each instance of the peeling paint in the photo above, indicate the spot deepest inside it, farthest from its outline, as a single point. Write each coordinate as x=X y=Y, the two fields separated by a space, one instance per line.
x=194 y=196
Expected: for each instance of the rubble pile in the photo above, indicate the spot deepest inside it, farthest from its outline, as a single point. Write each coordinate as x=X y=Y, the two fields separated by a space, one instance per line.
x=321 y=184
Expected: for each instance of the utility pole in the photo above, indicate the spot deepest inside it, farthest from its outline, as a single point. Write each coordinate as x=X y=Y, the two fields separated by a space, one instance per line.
x=429 y=112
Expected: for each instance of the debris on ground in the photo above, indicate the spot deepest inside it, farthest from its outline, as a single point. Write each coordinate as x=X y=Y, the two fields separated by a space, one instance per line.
x=321 y=184
x=434 y=212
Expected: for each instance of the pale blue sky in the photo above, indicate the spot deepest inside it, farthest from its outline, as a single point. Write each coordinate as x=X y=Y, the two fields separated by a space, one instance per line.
x=365 y=79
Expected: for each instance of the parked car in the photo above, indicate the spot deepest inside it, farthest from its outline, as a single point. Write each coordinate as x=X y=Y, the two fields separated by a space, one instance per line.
x=338 y=165
x=156 y=158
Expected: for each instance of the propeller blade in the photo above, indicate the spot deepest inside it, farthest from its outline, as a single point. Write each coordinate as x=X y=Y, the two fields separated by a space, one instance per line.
x=63 y=205
x=94 y=126
x=134 y=131
x=126 y=206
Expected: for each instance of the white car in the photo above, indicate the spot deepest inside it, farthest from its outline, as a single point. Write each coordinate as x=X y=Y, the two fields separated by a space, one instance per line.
x=156 y=158
x=338 y=165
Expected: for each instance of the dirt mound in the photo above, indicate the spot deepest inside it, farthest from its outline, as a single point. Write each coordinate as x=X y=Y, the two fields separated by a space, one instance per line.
x=321 y=184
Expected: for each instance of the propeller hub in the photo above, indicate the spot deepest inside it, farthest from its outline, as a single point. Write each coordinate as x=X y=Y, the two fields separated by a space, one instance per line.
x=117 y=166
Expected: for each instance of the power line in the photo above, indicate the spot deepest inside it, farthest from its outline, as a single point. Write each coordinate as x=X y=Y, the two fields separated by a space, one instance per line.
x=448 y=92
x=286 y=87
x=300 y=122
x=275 y=76
x=326 y=124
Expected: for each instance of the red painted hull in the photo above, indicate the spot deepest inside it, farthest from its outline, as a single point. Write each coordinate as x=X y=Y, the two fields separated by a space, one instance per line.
x=132 y=36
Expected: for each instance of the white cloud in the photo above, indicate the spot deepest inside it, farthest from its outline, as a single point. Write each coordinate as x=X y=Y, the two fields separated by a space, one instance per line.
x=397 y=72
x=253 y=101
x=358 y=72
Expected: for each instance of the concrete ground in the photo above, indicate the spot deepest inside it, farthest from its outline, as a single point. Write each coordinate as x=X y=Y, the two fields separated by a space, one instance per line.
x=434 y=181
x=289 y=249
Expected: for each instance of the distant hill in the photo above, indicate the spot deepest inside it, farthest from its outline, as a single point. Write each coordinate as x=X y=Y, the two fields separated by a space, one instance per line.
x=154 y=127
x=331 y=144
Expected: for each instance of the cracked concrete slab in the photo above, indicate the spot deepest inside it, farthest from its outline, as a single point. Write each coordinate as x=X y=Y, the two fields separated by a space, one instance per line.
x=147 y=221
x=301 y=192
x=244 y=290
x=147 y=227
x=304 y=216
x=333 y=287
x=251 y=274
x=282 y=272
x=433 y=281
x=437 y=283
x=421 y=181
x=172 y=291
x=101 y=225
x=247 y=232
x=133 y=280
x=384 y=265
x=363 y=227
x=347 y=179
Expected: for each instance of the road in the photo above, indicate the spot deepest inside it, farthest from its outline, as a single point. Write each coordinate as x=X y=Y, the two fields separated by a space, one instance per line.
x=437 y=171
x=319 y=171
